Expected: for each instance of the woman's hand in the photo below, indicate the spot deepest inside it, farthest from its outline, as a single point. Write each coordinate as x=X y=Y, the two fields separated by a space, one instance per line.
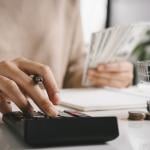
x=118 y=75
x=15 y=81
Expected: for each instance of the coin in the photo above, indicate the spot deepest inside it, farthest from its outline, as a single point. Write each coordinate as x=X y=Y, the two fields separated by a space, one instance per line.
x=136 y=115
x=147 y=116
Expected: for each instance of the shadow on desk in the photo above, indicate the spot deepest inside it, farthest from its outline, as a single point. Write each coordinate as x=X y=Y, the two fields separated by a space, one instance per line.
x=8 y=140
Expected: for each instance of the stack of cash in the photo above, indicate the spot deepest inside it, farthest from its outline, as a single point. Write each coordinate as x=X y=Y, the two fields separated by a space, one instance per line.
x=114 y=44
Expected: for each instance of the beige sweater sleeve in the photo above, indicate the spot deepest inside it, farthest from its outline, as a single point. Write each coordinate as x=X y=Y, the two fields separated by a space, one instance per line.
x=74 y=72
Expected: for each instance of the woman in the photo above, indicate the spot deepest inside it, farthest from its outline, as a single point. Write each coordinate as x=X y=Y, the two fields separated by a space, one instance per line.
x=48 y=32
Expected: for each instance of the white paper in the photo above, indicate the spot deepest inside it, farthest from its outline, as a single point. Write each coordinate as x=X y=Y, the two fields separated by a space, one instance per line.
x=101 y=99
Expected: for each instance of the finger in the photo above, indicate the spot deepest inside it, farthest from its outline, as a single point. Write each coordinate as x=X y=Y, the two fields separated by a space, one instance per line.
x=99 y=82
x=116 y=67
x=121 y=76
x=10 y=88
x=34 y=91
x=5 y=104
x=49 y=81
x=103 y=82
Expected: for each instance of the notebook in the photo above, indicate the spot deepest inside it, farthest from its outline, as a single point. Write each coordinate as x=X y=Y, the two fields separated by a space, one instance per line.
x=101 y=99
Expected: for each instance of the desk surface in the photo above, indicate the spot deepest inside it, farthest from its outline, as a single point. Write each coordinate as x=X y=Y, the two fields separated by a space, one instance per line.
x=134 y=135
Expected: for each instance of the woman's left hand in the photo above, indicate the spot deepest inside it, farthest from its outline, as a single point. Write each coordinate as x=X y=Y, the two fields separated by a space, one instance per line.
x=118 y=75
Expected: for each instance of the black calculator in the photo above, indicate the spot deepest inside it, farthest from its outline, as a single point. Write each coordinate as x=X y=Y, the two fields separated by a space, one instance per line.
x=69 y=128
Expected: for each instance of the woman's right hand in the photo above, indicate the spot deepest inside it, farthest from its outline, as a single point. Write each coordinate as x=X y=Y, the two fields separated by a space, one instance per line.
x=16 y=85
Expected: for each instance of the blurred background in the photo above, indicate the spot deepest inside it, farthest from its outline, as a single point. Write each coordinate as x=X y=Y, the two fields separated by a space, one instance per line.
x=100 y=14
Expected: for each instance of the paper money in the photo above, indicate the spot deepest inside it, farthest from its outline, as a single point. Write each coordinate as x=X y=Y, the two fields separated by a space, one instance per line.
x=113 y=44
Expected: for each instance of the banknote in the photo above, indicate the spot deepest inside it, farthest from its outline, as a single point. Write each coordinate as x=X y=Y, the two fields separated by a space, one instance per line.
x=113 y=44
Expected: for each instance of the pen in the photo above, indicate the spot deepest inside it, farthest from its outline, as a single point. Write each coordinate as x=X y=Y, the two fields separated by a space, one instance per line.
x=76 y=113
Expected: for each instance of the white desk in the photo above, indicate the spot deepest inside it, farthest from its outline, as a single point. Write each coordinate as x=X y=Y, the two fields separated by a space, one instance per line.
x=134 y=135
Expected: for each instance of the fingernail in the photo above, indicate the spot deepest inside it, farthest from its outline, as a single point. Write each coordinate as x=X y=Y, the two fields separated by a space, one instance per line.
x=57 y=98
x=28 y=109
x=53 y=112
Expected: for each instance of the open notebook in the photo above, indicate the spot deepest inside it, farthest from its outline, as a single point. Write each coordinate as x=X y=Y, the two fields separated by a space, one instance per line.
x=101 y=99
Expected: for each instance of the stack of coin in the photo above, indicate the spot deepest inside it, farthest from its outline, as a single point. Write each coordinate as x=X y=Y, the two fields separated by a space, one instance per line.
x=140 y=115
x=147 y=116
x=136 y=115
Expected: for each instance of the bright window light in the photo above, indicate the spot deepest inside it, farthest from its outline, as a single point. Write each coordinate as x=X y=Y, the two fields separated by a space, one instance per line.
x=93 y=14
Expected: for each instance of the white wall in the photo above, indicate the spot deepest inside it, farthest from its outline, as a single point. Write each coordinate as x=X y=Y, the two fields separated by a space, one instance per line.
x=93 y=13
x=130 y=11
